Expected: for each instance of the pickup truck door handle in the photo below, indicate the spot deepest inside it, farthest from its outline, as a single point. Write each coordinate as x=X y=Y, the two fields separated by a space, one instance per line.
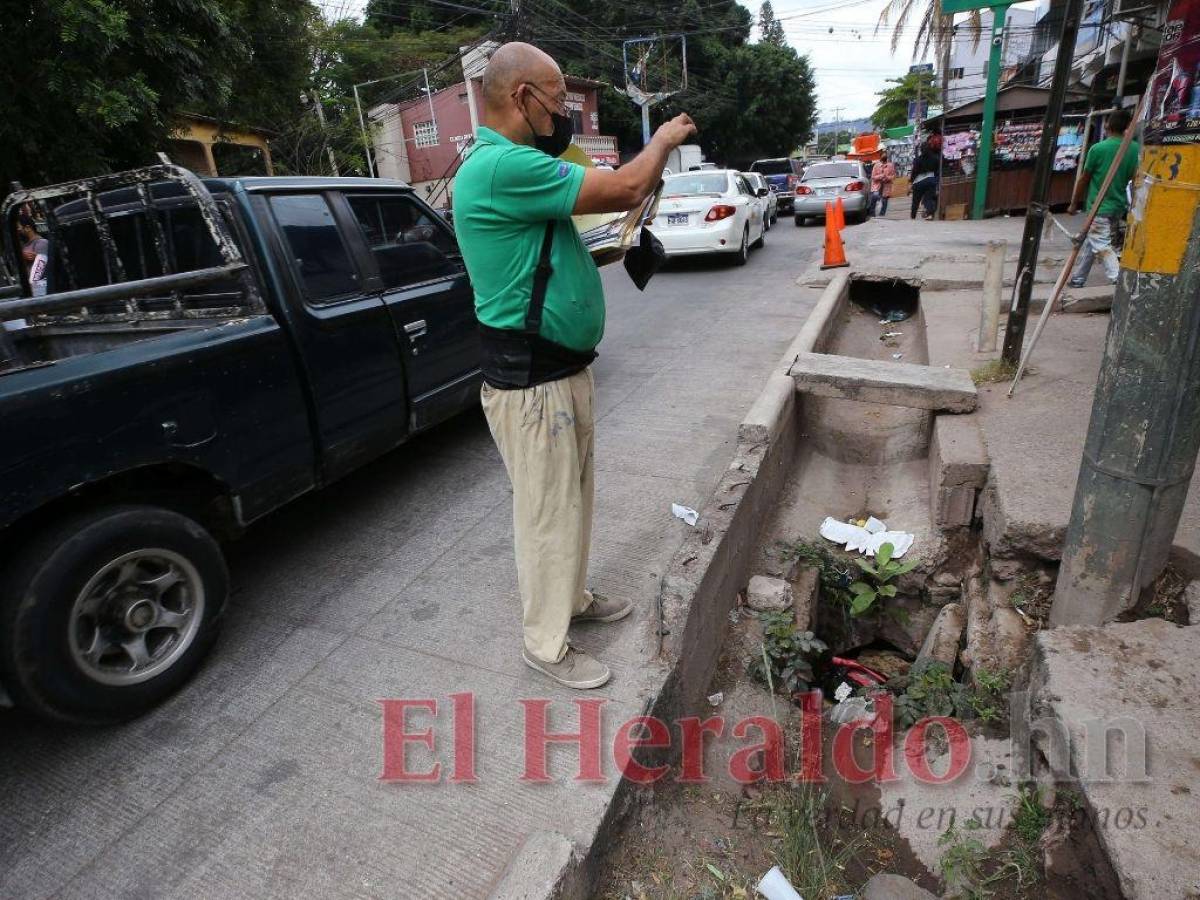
x=415 y=330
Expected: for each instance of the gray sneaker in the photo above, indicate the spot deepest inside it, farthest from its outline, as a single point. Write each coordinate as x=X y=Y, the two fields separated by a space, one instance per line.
x=604 y=610
x=1077 y=282
x=575 y=670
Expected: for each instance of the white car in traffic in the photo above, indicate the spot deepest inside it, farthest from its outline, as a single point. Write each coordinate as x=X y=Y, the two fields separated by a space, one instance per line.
x=710 y=211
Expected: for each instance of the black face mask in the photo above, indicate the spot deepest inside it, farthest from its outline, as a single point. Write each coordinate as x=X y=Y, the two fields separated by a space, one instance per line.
x=556 y=143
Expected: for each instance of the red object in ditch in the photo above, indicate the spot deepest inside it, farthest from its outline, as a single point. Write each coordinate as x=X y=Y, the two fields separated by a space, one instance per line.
x=857 y=673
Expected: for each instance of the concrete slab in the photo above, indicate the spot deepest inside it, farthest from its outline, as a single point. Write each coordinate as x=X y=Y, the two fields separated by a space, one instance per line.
x=924 y=812
x=878 y=381
x=1035 y=439
x=958 y=469
x=1125 y=697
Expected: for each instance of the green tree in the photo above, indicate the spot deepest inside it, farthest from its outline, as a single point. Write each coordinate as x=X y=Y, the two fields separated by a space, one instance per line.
x=93 y=85
x=770 y=29
x=892 y=111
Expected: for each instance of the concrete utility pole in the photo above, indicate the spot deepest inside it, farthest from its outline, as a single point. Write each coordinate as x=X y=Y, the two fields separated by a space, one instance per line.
x=320 y=110
x=1035 y=215
x=1145 y=429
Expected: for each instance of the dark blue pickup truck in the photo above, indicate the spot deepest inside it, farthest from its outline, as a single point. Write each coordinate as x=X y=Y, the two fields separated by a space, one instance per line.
x=203 y=351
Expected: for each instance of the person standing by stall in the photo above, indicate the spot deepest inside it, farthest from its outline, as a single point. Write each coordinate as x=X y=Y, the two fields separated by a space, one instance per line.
x=1114 y=206
x=925 y=181
x=882 y=176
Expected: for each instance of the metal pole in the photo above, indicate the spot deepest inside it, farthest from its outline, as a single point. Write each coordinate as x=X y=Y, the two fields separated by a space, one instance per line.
x=1035 y=216
x=432 y=114
x=1120 y=93
x=363 y=127
x=949 y=29
x=1145 y=428
x=989 y=113
x=645 y=124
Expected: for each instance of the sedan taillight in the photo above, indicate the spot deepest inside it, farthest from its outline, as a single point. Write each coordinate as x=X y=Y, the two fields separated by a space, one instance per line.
x=804 y=189
x=855 y=186
x=719 y=212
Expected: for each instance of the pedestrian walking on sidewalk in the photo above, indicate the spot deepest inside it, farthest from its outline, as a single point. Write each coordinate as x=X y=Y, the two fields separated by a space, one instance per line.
x=1114 y=206
x=540 y=305
x=882 y=176
x=925 y=181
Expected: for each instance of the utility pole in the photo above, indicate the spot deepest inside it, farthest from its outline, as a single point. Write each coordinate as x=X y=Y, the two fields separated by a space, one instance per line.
x=320 y=110
x=1035 y=215
x=837 y=127
x=1145 y=427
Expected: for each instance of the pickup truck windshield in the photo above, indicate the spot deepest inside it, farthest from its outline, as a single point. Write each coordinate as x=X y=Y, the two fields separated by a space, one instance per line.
x=772 y=167
x=696 y=183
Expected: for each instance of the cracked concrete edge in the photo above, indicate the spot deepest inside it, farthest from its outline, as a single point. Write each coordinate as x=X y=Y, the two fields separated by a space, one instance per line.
x=819 y=326
x=698 y=590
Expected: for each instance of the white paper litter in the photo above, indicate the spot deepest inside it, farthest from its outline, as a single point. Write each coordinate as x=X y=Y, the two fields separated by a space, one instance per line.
x=686 y=513
x=867 y=540
x=715 y=699
x=854 y=709
x=843 y=691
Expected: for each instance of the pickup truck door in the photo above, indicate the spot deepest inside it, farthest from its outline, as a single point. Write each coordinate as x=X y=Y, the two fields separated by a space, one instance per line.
x=428 y=296
x=347 y=345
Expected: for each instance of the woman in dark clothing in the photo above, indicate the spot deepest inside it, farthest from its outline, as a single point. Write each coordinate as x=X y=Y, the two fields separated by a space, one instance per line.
x=925 y=181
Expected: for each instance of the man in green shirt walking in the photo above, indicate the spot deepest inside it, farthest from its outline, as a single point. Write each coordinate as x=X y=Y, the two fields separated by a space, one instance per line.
x=1114 y=205
x=540 y=306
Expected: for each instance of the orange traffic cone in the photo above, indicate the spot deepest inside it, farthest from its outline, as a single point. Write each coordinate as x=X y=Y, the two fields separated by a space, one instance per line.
x=835 y=253
x=841 y=214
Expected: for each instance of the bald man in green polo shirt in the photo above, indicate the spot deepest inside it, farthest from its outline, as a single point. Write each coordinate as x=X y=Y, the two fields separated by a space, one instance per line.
x=540 y=306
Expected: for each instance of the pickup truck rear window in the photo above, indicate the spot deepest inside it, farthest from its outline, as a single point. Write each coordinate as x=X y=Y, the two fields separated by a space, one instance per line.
x=321 y=260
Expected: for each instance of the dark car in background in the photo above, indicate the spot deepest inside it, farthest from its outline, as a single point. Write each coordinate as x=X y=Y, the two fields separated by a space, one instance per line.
x=782 y=175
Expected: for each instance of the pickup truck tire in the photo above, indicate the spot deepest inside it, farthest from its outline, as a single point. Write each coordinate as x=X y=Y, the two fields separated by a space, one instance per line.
x=106 y=613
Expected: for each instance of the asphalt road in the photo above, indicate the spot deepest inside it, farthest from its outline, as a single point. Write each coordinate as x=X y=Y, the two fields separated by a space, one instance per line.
x=261 y=777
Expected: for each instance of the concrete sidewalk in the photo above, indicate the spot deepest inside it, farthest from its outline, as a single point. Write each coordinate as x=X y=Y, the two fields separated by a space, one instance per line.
x=261 y=777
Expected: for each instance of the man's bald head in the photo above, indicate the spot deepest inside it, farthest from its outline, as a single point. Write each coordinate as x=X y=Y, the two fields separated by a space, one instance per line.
x=514 y=64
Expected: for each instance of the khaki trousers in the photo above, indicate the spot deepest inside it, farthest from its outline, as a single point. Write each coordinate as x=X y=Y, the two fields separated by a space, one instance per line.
x=545 y=436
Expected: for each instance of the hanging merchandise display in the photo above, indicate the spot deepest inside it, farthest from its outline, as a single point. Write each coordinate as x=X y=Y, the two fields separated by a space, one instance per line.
x=1070 y=146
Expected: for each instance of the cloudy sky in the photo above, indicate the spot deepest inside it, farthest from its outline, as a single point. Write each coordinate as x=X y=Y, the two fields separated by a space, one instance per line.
x=851 y=59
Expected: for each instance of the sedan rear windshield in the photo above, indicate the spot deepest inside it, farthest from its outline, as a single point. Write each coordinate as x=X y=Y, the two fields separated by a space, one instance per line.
x=831 y=170
x=772 y=167
x=696 y=183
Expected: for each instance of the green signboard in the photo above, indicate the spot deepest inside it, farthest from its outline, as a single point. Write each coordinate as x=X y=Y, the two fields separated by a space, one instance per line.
x=949 y=7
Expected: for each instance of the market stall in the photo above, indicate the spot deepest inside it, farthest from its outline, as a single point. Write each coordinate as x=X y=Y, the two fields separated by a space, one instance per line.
x=1017 y=136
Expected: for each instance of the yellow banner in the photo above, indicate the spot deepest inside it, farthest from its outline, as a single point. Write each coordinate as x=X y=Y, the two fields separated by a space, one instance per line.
x=1166 y=192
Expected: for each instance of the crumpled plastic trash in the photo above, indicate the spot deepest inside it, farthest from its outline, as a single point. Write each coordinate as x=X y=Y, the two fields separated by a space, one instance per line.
x=775 y=886
x=686 y=513
x=852 y=709
x=866 y=539
x=717 y=698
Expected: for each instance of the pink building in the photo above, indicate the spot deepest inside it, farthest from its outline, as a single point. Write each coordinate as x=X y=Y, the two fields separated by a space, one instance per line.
x=420 y=141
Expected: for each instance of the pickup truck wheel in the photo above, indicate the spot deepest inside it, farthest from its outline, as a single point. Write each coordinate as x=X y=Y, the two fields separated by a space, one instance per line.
x=107 y=613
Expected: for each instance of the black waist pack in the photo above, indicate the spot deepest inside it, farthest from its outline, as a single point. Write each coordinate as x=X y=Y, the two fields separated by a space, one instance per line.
x=514 y=359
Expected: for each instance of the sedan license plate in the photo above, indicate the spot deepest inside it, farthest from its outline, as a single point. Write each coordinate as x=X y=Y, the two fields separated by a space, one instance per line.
x=677 y=218
x=826 y=192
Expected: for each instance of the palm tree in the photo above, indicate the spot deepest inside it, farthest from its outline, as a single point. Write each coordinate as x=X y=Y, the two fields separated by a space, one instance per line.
x=934 y=30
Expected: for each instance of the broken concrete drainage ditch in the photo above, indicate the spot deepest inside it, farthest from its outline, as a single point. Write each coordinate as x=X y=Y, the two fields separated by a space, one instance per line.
x=916 y=768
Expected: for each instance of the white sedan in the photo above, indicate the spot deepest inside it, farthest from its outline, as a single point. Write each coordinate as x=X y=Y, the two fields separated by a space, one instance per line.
x=710 y=211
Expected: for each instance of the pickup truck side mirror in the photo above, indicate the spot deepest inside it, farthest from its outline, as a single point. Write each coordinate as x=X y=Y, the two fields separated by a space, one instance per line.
x=762 y=192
